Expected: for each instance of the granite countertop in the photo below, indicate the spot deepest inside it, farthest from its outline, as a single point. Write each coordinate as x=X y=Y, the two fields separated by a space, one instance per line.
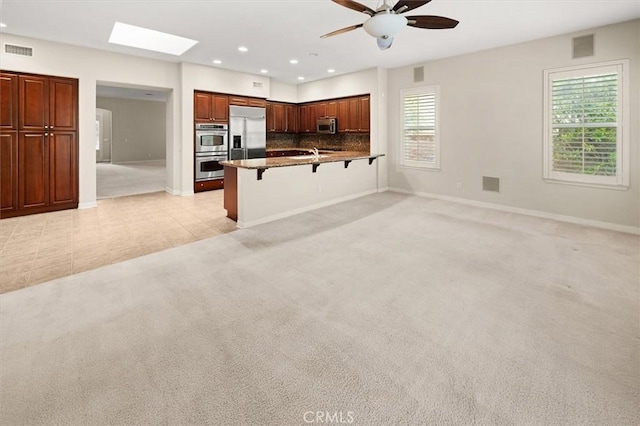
x=325 y=157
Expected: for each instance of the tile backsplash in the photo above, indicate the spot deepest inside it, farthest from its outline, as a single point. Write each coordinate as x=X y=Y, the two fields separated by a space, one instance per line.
x=338 y=142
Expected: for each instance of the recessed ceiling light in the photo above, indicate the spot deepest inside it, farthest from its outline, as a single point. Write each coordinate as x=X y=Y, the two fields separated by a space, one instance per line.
x=264 y=71
x=143 y=38
x=3 y=25
x=301 y=78
x=293 y=61
x=331 y=70
x=217 y=61
x=243 y=49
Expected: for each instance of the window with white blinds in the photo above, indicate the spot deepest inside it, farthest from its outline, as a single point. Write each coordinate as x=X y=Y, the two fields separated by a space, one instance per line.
x=585 y=126
x=419 y=118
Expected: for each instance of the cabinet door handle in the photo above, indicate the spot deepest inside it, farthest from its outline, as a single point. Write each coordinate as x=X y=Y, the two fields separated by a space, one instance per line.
x=46 y=134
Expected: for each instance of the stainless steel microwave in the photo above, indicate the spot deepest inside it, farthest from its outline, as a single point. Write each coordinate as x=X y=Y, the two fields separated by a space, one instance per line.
x=327 y=125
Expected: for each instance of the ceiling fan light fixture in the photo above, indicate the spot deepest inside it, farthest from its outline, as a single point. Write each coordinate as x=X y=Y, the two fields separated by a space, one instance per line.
x=384 y=25
x=384 y=43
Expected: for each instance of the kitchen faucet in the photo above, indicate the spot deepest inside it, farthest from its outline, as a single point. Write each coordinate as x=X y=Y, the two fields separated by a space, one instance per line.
x=316 y=154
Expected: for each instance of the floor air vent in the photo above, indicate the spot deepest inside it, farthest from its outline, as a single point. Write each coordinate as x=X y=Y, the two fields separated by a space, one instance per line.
x=18 y=50
x=490 y=184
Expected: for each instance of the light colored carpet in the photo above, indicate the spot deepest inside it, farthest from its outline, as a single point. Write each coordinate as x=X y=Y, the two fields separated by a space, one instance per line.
x=117 y=180
x=388 y=309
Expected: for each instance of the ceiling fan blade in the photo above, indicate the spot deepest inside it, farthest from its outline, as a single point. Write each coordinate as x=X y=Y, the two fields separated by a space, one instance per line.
x=431 y=22
x=356 y=6
x=405 y=6
x=342 y=30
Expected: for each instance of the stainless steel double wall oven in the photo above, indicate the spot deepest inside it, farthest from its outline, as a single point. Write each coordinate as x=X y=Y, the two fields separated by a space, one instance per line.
x=212 y=147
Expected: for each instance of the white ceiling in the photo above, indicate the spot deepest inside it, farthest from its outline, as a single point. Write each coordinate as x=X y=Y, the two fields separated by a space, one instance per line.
x=276 y=31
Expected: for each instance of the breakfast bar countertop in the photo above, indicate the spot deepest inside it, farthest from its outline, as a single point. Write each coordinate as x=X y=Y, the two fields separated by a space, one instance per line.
x=325 y=157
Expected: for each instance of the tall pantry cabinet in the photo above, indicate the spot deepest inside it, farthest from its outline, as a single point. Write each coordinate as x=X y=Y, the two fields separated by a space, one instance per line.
x=38 y=143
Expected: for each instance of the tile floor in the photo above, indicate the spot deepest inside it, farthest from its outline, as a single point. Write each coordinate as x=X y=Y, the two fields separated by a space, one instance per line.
x=42 y=247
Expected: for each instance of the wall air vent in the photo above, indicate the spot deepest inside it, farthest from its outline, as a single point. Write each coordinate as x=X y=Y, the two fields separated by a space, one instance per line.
x=18 y=50
x=583 y=46
x=257 y=85
x=490 y=184
x=418 y=74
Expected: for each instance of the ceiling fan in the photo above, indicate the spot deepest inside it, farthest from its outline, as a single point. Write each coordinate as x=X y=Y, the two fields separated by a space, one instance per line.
x=386 y=21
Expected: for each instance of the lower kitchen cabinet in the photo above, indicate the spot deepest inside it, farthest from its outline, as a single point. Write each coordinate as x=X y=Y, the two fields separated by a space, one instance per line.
x=208 y=185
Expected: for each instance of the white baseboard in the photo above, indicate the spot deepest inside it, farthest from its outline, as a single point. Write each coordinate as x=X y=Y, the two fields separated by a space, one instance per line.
x=536 y=213
x=139 y=161
x=88 y=205
x=303 y=209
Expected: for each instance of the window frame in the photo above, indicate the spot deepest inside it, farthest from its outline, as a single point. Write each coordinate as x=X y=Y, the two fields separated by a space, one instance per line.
x=621 y=178
x=417 y=164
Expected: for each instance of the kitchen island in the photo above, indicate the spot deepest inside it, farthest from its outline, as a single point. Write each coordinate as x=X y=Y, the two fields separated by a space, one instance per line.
x=261 y=190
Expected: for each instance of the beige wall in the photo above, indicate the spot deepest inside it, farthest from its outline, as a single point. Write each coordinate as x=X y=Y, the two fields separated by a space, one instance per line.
x=491 y=124
x=138 y=129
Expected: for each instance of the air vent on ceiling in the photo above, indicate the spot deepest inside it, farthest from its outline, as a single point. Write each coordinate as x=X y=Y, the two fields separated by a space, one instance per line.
x=583 y=46
x=418 y=74
x=490 y=184
x=18 y=50
x=257 y=85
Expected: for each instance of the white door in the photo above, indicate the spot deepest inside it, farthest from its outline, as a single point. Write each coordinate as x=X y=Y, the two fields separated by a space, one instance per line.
x=103 y=135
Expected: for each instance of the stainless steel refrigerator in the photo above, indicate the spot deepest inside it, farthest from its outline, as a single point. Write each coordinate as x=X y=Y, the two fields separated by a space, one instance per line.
x=247 y=132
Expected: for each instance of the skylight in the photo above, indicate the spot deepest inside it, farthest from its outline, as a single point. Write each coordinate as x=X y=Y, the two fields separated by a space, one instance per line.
x=143 y=38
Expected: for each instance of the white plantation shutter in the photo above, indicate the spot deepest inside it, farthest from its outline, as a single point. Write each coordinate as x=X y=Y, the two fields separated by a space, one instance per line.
x=419 y=118
x=584 y=125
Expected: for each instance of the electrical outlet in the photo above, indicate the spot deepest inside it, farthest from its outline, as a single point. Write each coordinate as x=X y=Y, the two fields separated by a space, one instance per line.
x=459 y=185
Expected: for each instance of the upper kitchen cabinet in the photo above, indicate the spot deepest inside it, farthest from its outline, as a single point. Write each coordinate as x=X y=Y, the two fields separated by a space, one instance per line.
x=332 y=109
x=276 y=118
x=364 y=114
x=353 y=115
x=308 y=118
x=47 y=103
x=282 y=118
x=321 y=110
x=210 y=108
x=245 y=101
x=9 y=98
x=291 y=113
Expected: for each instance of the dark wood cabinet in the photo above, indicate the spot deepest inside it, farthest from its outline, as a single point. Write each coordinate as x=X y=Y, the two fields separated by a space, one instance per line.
x=291 y=116
x=63 y=157
x=9 y=99
x=210 y=107
x=33 y=102
x=276 y=118
x=364 y=114
x=332 y=109
x=8 y=171
x=353 y=115
x=281 y=118
x=308 y=118
x=246 y=101
x=343 y=115
x=63 y=104
x=321 y=110
x=33 y=171
x=39 y=160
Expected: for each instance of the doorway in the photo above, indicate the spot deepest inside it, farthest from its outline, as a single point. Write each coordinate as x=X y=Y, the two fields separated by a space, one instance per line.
x=130 y=141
